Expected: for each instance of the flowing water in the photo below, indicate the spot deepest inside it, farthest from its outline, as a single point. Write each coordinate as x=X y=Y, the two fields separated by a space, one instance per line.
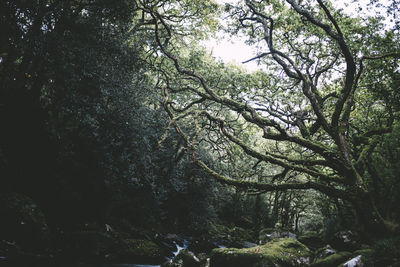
x=179 y=248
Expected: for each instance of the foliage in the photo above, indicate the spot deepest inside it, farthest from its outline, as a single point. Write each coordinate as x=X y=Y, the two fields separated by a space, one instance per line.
x=309 y=120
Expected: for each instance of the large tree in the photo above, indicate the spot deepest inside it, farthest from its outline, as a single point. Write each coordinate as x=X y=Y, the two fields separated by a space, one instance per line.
x=310 y=119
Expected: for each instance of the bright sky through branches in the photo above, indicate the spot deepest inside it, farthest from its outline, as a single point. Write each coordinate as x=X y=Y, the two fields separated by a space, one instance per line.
x=234 y=50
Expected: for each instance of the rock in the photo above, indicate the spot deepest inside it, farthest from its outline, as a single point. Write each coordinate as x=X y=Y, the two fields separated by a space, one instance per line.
x=23 y=222
x=354 y=262
x=185 y=258
x=311 y=240
x=289 y=235
x=278 y=252
x=332 y=260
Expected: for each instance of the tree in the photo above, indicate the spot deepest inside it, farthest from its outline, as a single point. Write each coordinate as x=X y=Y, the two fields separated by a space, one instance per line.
x=70 y=102
x=309 y=120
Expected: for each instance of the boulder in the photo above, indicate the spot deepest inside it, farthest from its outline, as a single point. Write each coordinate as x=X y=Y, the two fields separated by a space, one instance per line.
x=354 y=262
x=278 y=252
x=332 y=260
x=311 y=240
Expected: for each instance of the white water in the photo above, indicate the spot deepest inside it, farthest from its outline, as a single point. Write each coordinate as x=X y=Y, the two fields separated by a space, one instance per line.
x=179 y=248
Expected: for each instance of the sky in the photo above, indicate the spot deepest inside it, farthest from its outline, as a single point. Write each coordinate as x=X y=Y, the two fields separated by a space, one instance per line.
x=234 y=50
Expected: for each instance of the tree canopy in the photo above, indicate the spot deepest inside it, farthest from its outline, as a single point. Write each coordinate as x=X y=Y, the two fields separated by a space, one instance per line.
x=312 y=118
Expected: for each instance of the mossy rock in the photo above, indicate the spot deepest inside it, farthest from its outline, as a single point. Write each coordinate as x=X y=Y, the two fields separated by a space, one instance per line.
x=311 y=240
x=332 y=260
x=23 y=221
x=278 y=252
x=140 y=251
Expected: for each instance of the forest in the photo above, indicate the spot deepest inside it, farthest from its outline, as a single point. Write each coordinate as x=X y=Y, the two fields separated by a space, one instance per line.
x=124 y=141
